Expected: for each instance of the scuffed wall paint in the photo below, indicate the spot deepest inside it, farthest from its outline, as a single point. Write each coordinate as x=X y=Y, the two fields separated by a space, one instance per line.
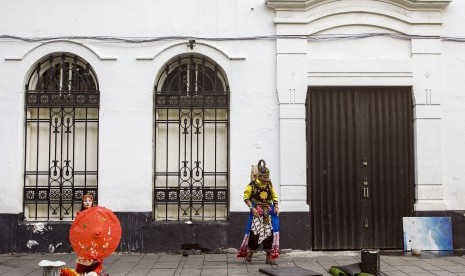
x=31 y=243
x=53 y=246
x=39 y=228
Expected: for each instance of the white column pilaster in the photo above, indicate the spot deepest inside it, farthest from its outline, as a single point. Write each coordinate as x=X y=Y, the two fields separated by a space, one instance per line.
x=292 y=88
x=426 y=60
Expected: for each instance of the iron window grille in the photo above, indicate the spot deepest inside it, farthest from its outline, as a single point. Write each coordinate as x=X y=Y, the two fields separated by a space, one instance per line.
x=191 y=116
x=61 y=137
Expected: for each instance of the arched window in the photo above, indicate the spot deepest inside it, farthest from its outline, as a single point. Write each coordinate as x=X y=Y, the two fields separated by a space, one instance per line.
x=191 y=174
x=61 y=137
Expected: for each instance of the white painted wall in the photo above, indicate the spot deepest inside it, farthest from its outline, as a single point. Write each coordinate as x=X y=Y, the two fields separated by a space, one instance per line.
x=267 y=116
x=127 y=74
x=453 y=113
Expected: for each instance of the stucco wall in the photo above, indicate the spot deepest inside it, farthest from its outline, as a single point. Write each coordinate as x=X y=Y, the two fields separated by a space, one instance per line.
x=126 y=74
x=268 y=80
x=453 y=66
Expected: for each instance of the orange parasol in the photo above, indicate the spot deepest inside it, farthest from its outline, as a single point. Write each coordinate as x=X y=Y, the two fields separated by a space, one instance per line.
x=95 y=233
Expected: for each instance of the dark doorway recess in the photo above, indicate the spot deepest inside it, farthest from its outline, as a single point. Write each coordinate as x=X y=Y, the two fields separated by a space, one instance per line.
x=360 y=166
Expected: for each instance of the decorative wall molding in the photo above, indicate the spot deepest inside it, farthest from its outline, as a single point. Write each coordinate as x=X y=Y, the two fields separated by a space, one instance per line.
x=65 y=42
x=197 y=44
x=308 y=4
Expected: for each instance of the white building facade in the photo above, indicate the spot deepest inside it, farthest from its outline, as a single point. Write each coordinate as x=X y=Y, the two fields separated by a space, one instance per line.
x=159 y=108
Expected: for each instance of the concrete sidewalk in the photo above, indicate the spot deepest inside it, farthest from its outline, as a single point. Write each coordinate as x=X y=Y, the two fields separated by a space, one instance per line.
x=135 y=264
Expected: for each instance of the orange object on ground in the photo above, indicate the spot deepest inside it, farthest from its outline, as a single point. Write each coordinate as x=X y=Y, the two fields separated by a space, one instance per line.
x=95 y=233
x=68 y=272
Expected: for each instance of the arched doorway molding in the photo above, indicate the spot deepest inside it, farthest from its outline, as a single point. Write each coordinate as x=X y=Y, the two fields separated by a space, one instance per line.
x=382 y=14
x=406 y=4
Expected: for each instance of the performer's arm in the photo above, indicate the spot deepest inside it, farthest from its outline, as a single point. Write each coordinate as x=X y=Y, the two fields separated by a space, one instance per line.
x=274 y=197
x=247 y=197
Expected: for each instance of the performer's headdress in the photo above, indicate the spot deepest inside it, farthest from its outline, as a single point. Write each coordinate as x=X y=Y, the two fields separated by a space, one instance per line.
x=260 y=171
x=263 y=171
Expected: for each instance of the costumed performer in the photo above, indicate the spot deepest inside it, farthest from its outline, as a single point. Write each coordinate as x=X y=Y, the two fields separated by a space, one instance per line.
x=263 y=223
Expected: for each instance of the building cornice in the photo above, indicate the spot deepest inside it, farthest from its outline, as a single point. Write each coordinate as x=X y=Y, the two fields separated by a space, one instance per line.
x=308 y=4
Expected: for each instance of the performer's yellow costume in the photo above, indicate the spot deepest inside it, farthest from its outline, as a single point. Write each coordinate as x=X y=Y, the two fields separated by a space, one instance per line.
x=263 y=223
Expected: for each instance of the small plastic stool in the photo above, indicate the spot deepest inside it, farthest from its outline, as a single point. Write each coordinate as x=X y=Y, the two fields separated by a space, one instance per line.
x=50 y=268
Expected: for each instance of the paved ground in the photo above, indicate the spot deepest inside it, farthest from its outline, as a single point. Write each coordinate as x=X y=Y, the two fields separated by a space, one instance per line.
x=135 y=264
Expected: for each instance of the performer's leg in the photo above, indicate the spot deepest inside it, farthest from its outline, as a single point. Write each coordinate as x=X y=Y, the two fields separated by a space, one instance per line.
x=253 y=246
x=267 y=244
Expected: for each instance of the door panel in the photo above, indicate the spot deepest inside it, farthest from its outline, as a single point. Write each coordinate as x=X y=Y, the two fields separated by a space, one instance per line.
x=356 y=205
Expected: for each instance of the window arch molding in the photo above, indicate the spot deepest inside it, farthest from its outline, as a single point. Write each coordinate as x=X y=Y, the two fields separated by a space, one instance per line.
x=191 y=150
x=61 y=137
x=195 y=60
x=62 y=79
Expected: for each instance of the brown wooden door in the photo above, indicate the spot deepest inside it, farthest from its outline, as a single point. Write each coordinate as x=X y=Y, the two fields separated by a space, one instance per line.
x=360 y=165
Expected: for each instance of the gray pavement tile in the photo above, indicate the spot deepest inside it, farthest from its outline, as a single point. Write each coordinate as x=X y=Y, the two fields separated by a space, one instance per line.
x=5 y=258
x=4 y=269
x=305 y=261
x=194 y=261
x=130 y=258
x=285 y=265
x=394 y=273
x=317 y=269
x=327 y=266
x=410 y=268
x=200 y=256
x=443 y=273
x=237 y=265
x=424 y=265
x=166 y=264
x=112 y=258
x=237 y=270
x=119 y=269
x=32 y=256
x=459 y=261
x=216 y=272
x=255 y=273
x=453 y=258
x=215 y=265
x=118 y=273
x=139 y=271
x=170 y=258
x=20 y=271
x=215 y=257
x=439 y=261
x=143 y=266
x=453 y=268
x=396 y=262
x=386 y=267
x=191 y=271
x=161 y=272
x=192 y=266
x=345 y=262
x=36 y=273
x=136 y=264
x=424 y=273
